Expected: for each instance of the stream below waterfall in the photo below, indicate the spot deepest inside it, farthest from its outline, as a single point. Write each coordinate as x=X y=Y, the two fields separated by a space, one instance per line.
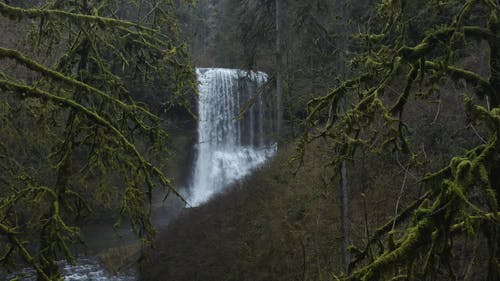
x=85 y=269
x=102 y=237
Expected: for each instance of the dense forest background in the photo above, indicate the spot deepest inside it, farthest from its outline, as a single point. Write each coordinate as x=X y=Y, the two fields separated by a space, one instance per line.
x=274 y=226
x=388 y=138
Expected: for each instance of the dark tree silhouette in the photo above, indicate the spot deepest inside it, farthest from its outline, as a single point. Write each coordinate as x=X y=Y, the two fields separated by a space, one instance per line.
x=72 y=136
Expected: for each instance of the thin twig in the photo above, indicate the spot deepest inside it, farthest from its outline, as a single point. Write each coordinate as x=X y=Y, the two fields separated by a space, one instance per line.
x=406 y=169
x=150 y=12
x=477 y=134
x=472 y=260
x=437 y=113
x=399 y=197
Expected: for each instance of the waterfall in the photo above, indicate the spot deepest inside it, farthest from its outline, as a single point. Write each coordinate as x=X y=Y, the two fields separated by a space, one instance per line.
x=229 y=146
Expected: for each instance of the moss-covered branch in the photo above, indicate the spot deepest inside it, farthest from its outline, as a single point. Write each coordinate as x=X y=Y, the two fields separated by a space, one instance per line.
x=417 y=237
x=385 y=229
x=442 y=35
x=483 y=86
x=58 y=76
x=20 y=13
x=316 y=104
x=24 y=90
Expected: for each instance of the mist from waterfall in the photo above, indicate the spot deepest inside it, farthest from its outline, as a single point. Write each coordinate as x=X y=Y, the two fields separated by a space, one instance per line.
x=229 y=145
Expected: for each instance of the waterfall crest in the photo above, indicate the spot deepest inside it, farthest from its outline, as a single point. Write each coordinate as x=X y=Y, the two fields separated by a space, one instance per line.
x=229 y=147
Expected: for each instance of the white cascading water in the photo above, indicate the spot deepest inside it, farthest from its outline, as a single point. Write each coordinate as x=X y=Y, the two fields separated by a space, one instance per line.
x=229 y=147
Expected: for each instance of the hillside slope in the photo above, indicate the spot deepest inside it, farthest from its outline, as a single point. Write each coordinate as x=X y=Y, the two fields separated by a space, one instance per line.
x=272 y=226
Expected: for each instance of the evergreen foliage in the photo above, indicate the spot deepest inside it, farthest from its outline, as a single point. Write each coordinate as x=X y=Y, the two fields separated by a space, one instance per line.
x=72 y=138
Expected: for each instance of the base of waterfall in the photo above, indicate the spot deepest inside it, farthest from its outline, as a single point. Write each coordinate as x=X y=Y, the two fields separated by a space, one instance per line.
x=227 y=166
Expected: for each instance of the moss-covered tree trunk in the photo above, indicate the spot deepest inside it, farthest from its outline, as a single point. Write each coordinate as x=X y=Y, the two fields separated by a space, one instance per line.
x=344 y=181
x=494 y=26
x=279 y=66
x=64 y=170
x=494 y=240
